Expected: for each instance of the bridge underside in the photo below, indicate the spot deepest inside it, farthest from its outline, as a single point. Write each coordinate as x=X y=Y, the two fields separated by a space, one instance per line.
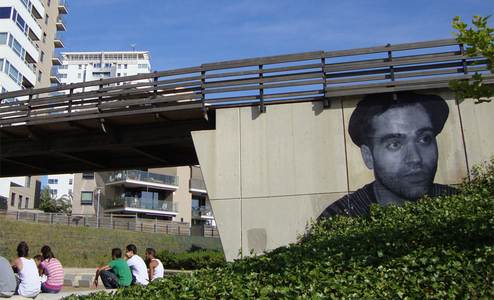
x=121 y=142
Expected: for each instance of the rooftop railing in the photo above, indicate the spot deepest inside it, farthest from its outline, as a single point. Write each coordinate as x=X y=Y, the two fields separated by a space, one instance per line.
x=310 y=76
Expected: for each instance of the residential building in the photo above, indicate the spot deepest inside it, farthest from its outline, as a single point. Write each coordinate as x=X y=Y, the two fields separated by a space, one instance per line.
x=29 y=35
x=157 y=193
x=87 y=66
x=61 y=185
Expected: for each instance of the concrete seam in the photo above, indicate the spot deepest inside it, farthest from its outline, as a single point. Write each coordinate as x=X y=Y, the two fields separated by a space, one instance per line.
x=240 y=179
x=344 y=144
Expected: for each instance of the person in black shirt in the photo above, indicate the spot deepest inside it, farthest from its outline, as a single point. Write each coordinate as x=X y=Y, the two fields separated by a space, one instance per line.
x=396 y=134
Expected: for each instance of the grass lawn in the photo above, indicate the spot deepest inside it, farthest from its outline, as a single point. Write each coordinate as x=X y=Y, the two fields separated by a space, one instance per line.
x=89 y=247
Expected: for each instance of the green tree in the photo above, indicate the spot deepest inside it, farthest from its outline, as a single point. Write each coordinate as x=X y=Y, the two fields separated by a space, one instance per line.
x=479 y=41
x=50 y=204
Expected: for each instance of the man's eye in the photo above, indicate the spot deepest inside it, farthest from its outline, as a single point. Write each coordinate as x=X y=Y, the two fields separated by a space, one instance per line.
x=425 y=139
x=393 y=145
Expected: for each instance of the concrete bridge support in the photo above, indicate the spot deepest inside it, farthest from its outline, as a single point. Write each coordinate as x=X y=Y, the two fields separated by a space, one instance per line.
x=269 y=174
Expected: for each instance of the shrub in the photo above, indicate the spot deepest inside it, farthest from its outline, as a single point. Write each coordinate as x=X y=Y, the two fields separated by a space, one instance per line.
x=435 y=248
x=192 y=260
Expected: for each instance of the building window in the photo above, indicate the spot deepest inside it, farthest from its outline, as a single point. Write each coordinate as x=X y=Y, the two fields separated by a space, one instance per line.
x=12 y=200
x=79 y=75
x=44 y=37
x=49 y=2
x=70 y=192
x=27 y=203
x=19 y=205
x=86 y=198
x=52 y=181
x=88 y=175
x=53 y=192
x=5 y=12
x=46 y=19
x=3 y=38
x=42 y=56
x=98 y=65
x=70 y=181
x=108 y=65
x=80 y=67
x=125 y=66
x=119 y=66
x=40 y=74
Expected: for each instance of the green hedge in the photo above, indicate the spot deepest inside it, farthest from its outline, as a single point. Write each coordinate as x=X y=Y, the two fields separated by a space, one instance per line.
x=192 y=260
x=436 y=248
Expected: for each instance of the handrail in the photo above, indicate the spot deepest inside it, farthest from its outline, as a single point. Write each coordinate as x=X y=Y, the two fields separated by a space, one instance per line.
x=308 y=76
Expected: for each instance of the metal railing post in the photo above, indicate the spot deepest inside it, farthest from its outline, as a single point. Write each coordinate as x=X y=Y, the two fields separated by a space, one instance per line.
x=262 y=108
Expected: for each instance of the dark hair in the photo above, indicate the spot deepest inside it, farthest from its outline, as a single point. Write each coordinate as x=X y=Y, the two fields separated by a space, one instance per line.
x=22 y=249
x=132 y=247
x=360 y=126
x=46 y=252
x=151 y=251
x=116 y=252
x=38 y=257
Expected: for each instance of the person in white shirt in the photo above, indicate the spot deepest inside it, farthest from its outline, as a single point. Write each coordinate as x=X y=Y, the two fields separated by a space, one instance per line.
x=29 y=284
x=156 y=269
x=136 y=265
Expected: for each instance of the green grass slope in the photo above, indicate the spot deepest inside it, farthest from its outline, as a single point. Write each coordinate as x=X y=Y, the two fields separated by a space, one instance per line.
x=435 y=249
x=89 y=247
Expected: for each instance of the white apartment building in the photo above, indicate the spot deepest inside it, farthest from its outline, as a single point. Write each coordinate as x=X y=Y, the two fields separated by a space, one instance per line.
x=29 y=35
x=87 y=66
x=61 y=185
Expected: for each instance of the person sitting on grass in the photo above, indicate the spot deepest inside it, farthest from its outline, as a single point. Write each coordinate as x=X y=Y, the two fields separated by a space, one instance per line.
x=52 y=268
x=116 y=273
x=156 y=269
x=29 y=284
x=137 y=265
x=38 y=259
x=7 y=279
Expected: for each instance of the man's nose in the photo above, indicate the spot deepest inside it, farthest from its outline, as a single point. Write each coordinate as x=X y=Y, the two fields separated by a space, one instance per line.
x=413 y=154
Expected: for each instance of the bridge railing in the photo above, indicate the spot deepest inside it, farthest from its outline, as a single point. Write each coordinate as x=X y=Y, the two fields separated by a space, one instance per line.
x=310 y=76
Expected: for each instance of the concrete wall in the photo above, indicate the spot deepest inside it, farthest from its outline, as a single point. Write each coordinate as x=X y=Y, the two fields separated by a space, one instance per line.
x=268 y=175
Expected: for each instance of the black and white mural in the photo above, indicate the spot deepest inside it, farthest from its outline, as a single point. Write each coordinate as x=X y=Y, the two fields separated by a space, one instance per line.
x=396 y=134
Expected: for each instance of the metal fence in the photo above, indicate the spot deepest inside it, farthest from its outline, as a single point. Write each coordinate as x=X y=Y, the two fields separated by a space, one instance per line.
x=131 y=223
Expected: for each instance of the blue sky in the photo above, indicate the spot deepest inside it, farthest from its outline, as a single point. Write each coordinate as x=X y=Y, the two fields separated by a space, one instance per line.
x=183 y=33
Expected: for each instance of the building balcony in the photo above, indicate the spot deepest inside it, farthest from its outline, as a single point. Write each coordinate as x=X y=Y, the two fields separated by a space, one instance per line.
x=63 y=7
x=58 y=40
x=60 y=24
x=197 y=185
x=56 y=60
x=202 y=212
x=137 y=178
x=141 y=205
x=54 y=76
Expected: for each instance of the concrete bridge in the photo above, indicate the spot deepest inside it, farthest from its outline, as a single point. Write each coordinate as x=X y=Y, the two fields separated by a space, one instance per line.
x=269 y=133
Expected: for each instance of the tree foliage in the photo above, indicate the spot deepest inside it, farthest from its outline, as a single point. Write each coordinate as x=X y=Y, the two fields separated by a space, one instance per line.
x=479 y=41
x=435 y=248
x=50 y=204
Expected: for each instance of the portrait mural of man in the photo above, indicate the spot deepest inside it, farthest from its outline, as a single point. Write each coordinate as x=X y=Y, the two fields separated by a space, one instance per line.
x=396 y=133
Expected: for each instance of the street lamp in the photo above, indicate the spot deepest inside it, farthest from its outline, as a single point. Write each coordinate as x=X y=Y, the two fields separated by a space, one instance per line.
x=98 y=193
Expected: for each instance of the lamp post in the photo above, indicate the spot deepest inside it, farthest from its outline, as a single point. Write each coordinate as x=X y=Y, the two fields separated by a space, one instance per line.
x=98 y=193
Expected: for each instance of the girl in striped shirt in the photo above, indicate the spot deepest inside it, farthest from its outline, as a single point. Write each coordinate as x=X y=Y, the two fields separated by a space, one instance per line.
x=52 y=268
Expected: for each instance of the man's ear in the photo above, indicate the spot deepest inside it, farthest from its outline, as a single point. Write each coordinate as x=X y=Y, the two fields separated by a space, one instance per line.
x=367 y=156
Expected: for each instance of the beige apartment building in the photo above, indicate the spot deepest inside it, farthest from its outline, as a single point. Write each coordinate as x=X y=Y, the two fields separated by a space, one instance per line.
x=173 y=194
x=30 y=35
